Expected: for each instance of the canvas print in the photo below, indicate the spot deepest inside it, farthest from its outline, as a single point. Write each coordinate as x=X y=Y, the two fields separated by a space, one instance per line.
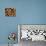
x=10 y=12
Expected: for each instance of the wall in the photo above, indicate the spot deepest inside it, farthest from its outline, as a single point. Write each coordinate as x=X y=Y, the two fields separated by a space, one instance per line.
x=27 y=12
